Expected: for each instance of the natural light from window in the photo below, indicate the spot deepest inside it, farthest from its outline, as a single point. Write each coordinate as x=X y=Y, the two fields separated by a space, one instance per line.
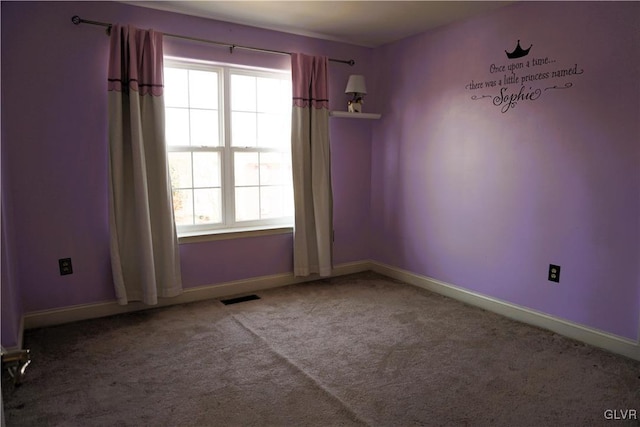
x=228 y=137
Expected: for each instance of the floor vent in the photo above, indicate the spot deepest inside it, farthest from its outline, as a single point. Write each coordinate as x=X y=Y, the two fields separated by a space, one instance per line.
x=239 y=299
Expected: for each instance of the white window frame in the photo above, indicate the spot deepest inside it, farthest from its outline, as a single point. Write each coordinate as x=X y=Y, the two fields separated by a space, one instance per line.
x=228 y=225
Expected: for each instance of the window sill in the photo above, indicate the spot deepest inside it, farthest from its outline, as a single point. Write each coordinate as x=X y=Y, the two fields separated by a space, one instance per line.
x=231 y=233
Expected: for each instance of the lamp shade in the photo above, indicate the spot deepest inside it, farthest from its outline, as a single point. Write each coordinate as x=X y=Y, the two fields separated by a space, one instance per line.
x=356 y=84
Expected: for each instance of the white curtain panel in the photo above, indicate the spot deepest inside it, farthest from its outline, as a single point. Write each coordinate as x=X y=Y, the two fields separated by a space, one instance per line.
x=311 y=158
x=144 y=245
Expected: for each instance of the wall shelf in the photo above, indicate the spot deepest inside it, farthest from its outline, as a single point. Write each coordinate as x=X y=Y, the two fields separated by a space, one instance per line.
x=348 y=115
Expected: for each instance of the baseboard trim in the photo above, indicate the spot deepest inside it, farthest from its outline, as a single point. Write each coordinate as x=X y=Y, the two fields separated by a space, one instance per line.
x=587 y=335
x=591 y=336
x=44 y=318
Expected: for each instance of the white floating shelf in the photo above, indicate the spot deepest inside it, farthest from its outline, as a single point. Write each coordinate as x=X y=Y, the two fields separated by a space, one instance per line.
x=348 y=115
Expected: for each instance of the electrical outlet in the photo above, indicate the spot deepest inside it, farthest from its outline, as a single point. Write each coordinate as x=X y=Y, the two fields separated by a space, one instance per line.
x=554 y=273
x=65 y=266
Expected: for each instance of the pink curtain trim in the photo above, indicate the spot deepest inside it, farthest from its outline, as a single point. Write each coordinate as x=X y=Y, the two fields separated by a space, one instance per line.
x=309 y=75
x=318 y=105
x=136 y=61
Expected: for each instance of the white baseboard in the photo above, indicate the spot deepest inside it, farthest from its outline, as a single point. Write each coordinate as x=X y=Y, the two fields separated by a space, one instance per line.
x=607 y=341
x=591 y=336
x=39 y=319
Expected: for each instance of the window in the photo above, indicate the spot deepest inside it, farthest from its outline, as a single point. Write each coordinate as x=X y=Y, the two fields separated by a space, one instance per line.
x=228 y=142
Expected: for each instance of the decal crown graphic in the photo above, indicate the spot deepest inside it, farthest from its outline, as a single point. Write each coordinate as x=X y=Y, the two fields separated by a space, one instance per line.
x=518 y=52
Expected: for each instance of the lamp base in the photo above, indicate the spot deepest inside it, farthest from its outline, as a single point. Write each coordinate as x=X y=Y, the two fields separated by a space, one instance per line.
x=354 y=107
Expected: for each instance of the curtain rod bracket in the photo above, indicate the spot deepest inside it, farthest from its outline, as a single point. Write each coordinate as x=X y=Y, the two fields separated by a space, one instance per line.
x=233 y=46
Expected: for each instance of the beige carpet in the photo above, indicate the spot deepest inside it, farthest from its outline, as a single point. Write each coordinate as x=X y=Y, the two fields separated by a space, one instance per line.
x=356 y=350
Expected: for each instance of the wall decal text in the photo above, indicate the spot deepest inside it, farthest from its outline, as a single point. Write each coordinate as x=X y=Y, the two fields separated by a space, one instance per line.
x=520 y=79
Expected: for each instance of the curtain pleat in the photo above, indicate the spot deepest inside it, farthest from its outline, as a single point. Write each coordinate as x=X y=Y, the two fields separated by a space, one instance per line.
x=144 y=245
x=311 y=159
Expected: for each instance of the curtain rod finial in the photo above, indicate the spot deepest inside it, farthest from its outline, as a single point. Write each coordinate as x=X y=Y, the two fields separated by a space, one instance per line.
x=75 y=19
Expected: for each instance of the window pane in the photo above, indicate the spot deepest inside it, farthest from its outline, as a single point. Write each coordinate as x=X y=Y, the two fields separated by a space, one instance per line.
x=247 y=203
x=287 y=204
x=203 y=89
x=275 y=169
x=206 y=170
x=177 y=126
x=268 y=94
x=246 y=169
x=175 y=87
x=204 y=128
x=258 y=112
x=243 y=93
x=271 y=202
x=208 y=206
x=180 y=169
x=243 y=129
x=183 y=207
x=273 y=131
x=276 y=202
x=285 y=96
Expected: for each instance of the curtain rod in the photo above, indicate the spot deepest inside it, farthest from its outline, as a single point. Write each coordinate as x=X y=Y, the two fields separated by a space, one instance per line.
x=77 y=20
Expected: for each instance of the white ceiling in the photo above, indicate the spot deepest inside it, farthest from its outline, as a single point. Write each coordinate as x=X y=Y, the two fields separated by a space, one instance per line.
x=364 y=23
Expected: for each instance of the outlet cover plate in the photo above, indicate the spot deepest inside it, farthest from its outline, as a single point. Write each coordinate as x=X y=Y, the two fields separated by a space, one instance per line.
x=65 y=266
x=554 y=273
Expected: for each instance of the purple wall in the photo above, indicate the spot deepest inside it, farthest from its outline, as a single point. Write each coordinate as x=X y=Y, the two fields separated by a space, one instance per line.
x=11 y=305
x=10 y=293
x=486 y=200
x=443 y=185
x=54 y=127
